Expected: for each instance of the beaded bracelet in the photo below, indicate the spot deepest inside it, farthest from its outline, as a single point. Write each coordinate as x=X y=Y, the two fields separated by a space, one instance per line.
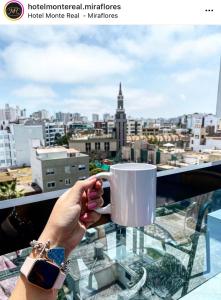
x=56 y=254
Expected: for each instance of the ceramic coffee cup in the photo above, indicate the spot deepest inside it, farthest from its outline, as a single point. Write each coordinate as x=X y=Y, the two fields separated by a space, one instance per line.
x=133 y=194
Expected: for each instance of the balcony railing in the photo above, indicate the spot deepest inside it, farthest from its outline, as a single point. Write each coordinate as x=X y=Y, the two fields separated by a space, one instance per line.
x=184 y=197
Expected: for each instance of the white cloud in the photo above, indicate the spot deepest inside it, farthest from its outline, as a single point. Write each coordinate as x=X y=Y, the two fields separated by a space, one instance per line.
x=191 y=75
x=63 y=63
x=103 y=99
x=34 y=91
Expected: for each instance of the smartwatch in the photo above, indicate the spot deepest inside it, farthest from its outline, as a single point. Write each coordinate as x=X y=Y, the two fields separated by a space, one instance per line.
x=43 y=273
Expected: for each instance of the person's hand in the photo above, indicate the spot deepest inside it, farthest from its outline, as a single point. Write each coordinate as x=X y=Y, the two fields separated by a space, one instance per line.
x=73 y=214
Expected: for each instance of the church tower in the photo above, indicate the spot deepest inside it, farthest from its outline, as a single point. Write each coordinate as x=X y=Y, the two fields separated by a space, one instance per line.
x=120 y=121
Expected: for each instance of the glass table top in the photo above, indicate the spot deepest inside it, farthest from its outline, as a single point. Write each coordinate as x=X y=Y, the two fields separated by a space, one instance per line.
x=165 y=260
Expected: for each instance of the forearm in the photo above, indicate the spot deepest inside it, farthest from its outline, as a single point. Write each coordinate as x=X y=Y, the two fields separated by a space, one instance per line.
x=27 y=291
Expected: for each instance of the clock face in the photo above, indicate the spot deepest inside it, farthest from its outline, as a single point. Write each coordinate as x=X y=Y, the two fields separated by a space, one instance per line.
x=43 y=274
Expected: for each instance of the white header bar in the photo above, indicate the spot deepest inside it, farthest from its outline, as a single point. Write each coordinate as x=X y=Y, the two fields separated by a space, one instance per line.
x=111 y=12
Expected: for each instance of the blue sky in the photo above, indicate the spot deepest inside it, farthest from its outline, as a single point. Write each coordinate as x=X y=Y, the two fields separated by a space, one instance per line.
x=165 y=70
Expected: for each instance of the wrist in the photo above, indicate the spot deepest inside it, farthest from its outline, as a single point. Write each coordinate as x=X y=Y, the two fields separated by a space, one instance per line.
x=56 y=240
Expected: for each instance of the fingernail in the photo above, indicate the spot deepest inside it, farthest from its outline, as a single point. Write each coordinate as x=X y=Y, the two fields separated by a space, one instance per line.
x=92 y=195
x=92 y=204
x=83 y=217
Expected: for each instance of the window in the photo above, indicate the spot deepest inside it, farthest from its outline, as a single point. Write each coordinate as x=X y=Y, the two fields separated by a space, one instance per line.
x=67 y=181
x=51 y=184
x=97 y=146
x=82 y=178
x=67 y=169
x=50 y=171
x=87 y=147
x=106 y=146
x=81 y=167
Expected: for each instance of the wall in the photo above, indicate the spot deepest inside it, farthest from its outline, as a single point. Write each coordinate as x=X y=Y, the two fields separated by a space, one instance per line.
x=61 y=174
x=23 y=136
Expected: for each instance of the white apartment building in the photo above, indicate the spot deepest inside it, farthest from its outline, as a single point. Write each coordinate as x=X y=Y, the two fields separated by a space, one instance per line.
x=53 y=131
x=198 y=139
x=205 y=120
x=107 y=117
x=41 y=114
x=134 y=127
x=26 y=137
x=110 y=126
x=7 y=150
x=211 y=121
x=58 y=168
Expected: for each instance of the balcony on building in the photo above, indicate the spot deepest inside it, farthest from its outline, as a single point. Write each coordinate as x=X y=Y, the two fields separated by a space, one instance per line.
x=177 y=257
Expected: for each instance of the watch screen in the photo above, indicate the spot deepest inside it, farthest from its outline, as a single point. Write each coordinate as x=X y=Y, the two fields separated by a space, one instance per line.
x=43 y=274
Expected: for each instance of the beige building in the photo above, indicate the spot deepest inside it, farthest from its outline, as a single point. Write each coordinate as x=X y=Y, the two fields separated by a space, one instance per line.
x=97 y=146
x=58 y=168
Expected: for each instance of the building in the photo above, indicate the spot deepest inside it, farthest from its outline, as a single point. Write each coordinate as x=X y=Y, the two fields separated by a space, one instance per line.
x=52 y=132
x=58 y=168
x=139 y=151
x=7 y=150
x=198 y=138
x=107 y=117
x=95 y=117
x=120 y=121
x=40 y=115
x=111 y=127
x=61 y=117
x=26 y=137
x=211 y=123
x=218 y=103
x=10 y=114
x=98 y=146
x=134 y=127
x=101 y=125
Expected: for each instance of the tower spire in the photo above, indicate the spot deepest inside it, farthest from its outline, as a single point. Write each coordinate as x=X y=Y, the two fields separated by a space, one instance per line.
x=120 y=99
x=120 y=90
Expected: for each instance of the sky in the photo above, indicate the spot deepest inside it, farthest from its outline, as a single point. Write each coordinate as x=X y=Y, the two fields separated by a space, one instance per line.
x=166 y=71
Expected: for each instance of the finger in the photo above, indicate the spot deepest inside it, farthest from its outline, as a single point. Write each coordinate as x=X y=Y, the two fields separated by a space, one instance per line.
x=93 y=194
x=81 y=186
x=84 y=201
x=90 y=218
x=98 y=202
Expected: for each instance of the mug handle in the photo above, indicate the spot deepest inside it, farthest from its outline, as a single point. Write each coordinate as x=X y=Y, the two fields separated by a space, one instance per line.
x=107 y=209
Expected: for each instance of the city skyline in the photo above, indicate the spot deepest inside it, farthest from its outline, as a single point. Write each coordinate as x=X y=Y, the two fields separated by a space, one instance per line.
x=166 y=71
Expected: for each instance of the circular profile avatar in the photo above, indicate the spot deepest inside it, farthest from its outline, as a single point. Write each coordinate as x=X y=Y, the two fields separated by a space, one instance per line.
x=14 y=10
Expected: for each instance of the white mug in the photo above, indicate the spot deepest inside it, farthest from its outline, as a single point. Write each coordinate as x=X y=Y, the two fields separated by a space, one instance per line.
x=133 y=194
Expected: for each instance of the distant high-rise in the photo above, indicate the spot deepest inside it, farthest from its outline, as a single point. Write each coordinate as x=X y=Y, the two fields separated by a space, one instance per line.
x=218 y=103
x=95 y=117
x=120 y=121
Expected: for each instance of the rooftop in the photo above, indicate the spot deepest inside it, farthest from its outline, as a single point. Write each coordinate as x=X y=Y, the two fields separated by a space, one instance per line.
x=48 y=153
x=91 y=137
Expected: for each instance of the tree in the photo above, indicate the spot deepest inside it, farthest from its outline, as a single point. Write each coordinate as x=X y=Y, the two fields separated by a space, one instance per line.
x=95 y=171
x=62 y=140
x=9 y=191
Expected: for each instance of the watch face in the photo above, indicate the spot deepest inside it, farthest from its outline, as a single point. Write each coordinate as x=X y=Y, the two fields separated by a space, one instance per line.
x=43 y=274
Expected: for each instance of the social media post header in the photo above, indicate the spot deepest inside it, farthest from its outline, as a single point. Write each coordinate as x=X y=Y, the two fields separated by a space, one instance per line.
x=111 y=12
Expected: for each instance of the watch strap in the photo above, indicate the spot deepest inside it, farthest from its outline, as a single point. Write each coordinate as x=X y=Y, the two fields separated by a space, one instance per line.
x=27 y=266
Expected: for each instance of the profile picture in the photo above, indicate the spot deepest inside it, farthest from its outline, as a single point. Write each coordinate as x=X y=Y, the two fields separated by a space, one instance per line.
x=14 y=10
